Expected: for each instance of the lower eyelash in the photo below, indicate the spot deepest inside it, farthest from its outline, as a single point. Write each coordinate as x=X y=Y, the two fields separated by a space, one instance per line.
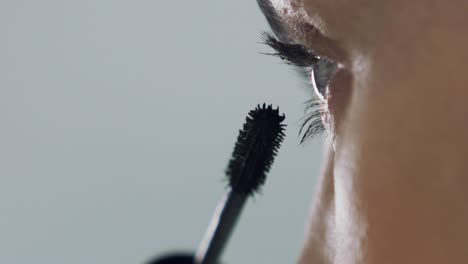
x=311 y=124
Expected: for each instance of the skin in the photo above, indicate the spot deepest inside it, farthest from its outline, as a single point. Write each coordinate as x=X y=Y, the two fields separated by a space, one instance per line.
x=394 y=188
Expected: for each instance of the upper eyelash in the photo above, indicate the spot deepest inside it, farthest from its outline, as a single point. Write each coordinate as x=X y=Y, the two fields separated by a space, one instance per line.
x=295 y=54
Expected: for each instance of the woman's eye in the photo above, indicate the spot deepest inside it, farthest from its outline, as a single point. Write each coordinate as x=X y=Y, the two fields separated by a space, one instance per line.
x=321 y=72
x=318 y=71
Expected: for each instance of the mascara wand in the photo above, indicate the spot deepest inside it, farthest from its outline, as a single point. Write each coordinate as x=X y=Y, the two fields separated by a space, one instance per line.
x=257 y=145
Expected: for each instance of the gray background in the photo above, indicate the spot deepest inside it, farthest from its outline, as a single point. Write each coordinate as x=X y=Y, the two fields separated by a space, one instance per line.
x=117 y=120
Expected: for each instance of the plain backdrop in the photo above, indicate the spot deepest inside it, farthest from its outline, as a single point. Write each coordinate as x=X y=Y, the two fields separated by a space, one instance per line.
x=117 y=119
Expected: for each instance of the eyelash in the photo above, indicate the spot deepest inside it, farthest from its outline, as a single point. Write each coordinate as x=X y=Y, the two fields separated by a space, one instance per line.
x=294 y=54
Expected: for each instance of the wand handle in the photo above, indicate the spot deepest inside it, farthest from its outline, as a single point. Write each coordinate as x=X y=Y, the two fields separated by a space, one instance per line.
x=220 y=229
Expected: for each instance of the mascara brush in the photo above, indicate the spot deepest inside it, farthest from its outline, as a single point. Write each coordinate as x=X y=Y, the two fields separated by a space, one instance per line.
x=257 y=145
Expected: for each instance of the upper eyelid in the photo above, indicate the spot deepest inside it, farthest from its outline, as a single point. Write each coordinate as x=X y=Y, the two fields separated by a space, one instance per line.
x=294 y=53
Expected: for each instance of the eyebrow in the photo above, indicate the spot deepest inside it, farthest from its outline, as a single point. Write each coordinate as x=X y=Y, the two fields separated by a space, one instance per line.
x=273 y=19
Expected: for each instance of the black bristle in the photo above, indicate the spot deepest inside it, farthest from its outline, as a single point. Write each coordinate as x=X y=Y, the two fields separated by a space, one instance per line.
x=256 y=147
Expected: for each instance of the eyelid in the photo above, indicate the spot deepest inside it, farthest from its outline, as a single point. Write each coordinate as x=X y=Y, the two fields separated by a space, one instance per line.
x=314 y=39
